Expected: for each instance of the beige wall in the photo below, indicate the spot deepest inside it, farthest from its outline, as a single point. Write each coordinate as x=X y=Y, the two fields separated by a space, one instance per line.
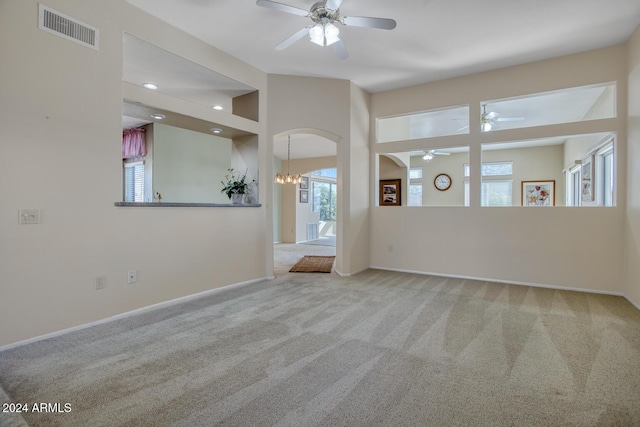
x=60 y=138
x=632 y=223
x=188 y=165
x=563 y=247
x=339 y=112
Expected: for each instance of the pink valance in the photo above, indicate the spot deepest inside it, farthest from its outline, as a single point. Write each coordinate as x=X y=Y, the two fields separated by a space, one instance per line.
x=133 y=143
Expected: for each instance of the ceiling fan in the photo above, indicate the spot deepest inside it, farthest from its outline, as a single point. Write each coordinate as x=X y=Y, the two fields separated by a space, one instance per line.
x=323 y=31
x=488 y=121
x=429 y=155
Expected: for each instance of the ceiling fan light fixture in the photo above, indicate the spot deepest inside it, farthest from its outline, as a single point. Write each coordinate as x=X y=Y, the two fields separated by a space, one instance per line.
x=316 y=33
x=331 y=33
x=486 y=127
x=427 y=156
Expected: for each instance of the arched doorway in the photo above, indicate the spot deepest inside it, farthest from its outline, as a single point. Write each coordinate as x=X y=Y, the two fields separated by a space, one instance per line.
x=305 y=215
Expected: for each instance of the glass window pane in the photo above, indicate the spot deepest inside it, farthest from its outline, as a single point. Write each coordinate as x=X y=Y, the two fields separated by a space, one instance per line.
x=497 y=193
x=467 y=198
x=415 y=195
x=568 y=106
x=415 y=173
x=498 y=168
x=608 y=179
x=328 y=173
x=424 y=124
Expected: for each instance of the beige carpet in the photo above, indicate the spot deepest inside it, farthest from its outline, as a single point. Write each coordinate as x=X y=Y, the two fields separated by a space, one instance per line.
x=375 y=349
x=314 y=264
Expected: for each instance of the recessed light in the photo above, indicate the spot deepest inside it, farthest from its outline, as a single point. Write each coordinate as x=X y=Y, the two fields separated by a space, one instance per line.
x=218 y=107
x=150 y=86
x=216 y=130
x=158 y=116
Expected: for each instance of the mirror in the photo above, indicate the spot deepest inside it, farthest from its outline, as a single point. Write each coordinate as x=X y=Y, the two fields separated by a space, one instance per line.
x=186 y=157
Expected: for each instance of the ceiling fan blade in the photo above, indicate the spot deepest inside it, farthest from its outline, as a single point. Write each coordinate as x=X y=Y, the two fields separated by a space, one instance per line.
x=282 y=7
x=363 y=21
x=333 y=4
x=340 y=50
x=509 y=119
x=441 y=153
x=294 y=38
x=492 y=115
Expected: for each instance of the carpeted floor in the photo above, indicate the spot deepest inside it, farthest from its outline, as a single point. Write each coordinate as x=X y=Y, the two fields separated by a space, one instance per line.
x=378 y=348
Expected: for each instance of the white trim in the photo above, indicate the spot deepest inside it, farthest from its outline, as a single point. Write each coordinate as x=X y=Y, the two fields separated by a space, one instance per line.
x=137 y=311
x=352 y=274
x=633 y=303
x=510 y=282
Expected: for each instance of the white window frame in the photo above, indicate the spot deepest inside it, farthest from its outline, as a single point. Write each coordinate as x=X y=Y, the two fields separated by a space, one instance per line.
x=600 y=189
x=138 y=181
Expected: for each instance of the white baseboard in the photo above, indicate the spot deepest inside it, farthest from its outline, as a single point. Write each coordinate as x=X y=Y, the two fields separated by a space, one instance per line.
x=510 y=282
x=124 y=315
x=633 y=303
x=354 y=273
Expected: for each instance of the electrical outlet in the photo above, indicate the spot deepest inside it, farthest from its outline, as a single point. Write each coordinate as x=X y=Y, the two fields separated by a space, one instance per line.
x=132 y=276
x=100 y=282
x=29 y=216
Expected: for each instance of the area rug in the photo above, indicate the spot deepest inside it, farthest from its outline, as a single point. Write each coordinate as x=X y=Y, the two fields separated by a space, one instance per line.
x=314 y=264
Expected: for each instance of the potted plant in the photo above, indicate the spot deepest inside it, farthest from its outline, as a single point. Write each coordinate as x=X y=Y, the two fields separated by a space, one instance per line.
x=236 y=186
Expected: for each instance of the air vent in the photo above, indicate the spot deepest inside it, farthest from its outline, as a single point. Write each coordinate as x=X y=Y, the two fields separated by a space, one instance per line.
x=64 y=26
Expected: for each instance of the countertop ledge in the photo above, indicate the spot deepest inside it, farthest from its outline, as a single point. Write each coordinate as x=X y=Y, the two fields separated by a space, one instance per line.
x=184 y=205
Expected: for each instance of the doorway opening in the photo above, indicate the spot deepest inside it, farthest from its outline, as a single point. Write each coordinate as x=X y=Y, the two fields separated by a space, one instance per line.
x=305 y=214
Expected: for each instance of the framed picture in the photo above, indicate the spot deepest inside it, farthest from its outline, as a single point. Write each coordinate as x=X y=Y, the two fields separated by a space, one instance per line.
x=587 y=179
x=539 y=193
x=390 y=192
x=304 y=184
x=304 y=196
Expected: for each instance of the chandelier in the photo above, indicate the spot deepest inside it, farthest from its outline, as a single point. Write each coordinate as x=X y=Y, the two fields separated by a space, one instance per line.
x=288 y=179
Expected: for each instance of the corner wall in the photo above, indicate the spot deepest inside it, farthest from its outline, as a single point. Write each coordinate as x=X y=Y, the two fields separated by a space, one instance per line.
x=579 y=248
x=339 y=111
x=60 y=153
x=632 y=220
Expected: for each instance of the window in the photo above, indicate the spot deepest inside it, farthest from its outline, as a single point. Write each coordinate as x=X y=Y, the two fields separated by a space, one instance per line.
x=494 y=192
x=415 y=173
x=415 y=194
x=134 y=182
x=575 y=185
x=323 y=199
x=423 y=124
x=327 y=173
x=604 y=175
x=525 y=111
x=493 y=169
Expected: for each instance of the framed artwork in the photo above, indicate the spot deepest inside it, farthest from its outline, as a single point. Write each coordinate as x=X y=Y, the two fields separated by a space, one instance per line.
x=587 y=179
x=539 y=193
x=390 y=192
x=304 y=196
x=304 y=184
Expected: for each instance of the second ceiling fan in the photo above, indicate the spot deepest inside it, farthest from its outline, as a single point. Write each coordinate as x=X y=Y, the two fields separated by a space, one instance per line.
x=323 y=31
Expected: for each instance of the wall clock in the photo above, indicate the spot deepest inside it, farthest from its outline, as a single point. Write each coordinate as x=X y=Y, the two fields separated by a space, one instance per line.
x=442 y=182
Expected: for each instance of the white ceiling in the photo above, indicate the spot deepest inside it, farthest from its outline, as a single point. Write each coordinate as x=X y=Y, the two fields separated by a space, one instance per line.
x=434 y=39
